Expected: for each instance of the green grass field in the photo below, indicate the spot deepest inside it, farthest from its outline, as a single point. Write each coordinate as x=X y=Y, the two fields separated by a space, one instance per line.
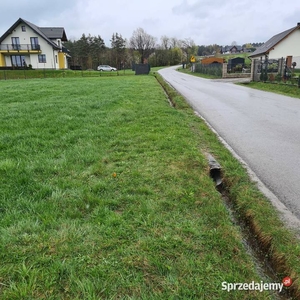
x=48 y=73
x=105 y=194
x=279 y=88
x=60 y=74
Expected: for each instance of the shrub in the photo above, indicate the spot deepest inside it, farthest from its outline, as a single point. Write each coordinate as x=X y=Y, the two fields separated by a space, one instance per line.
x=271 y=77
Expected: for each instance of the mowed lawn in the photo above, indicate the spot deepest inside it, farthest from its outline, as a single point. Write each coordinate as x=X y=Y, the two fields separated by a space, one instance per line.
x=105 y=194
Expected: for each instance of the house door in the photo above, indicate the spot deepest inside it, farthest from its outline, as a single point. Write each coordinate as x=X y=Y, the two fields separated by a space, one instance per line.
x=15 y=41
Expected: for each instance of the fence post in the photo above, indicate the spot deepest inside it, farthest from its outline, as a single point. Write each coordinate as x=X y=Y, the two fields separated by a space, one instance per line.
x=252 y=69
x=257 y=64
x=281 y=66
x=224 y=71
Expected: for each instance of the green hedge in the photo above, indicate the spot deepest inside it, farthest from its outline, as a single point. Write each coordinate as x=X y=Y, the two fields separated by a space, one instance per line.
x=215 y=70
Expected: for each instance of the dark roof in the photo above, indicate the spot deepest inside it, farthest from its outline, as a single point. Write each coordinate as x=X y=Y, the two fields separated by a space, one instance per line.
x=225 y=48
x=54 y=33
x=47 y=33
x=229 y=48
x=273 y=41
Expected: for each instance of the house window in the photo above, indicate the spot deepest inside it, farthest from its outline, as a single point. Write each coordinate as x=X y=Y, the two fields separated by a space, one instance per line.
x=42 y=58
x=34 y=43
x=15 y=41
x=17 y=60
x=23 y=28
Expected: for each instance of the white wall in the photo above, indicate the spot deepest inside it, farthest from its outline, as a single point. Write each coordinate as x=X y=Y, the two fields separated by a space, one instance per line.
x=290 y=46
x=297 y=60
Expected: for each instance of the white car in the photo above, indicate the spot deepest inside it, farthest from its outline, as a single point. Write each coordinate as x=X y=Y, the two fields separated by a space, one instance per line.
x=106 y=68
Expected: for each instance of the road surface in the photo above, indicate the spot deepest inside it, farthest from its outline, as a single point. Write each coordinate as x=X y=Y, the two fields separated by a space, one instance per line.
x=262 y=128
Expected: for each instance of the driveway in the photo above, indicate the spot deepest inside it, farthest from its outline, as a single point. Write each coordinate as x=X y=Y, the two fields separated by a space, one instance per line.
x=262 y=128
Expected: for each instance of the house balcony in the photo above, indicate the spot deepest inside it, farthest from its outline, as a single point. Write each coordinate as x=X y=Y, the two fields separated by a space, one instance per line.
x=22 y=48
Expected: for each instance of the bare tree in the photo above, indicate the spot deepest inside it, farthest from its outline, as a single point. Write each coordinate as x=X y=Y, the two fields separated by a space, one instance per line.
x=143 y=42
x=174 y=42
x=188 y=43
x=188 y=47
x=165 y=42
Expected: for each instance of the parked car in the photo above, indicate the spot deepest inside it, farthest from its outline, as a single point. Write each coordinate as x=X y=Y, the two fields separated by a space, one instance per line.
x=106 y=68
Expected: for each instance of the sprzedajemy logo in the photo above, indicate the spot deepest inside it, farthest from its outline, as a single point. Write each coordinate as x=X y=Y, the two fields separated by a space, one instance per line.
x=256 y=286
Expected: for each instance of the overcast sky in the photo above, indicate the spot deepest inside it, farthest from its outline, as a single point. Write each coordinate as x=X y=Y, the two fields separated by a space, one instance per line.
x=205 y=21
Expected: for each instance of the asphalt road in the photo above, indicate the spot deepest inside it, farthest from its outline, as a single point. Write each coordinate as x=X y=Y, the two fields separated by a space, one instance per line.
x=262 y=128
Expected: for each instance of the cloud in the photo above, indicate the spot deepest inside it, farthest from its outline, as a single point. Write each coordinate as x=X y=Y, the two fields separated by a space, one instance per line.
x=198 y=9
x=34 y=10
x=205 y=21
x=292 y=17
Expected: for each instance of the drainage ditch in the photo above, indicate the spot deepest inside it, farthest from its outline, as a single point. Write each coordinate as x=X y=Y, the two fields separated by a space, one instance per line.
x=258 y=251
x=256 y=245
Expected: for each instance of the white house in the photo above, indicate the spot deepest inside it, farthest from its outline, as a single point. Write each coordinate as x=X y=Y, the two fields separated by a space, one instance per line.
x=25 y=44
x=284 y=44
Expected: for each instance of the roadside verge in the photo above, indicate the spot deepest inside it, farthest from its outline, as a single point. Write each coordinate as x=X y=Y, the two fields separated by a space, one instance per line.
x=278 y=246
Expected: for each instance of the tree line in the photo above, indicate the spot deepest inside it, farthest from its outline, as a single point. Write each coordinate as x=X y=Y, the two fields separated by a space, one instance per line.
x=90 y=51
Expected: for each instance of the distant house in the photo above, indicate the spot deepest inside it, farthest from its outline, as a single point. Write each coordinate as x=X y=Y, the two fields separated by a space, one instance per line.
x=231 y=49
x=25 y=44
x=236 y=49
x=224 y=49
x=280 y=45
